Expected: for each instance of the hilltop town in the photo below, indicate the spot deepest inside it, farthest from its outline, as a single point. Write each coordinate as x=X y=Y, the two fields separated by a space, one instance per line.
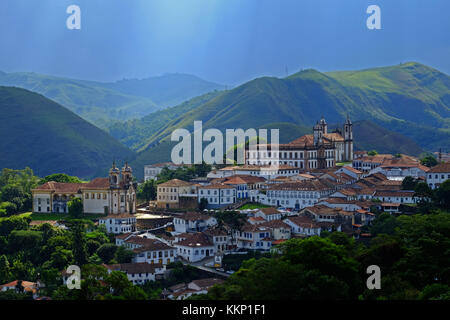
x=215 y=221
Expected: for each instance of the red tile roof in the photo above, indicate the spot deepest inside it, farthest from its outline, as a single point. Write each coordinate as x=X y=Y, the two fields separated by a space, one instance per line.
x=441 y=168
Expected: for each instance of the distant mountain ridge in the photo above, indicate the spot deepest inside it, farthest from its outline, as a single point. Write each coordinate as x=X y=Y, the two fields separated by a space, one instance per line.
x=101 y=102
x=402 y=98
x=166 y=90
x=41 y=134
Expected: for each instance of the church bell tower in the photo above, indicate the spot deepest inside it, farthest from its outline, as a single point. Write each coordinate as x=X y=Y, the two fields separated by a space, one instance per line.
x=348 y=140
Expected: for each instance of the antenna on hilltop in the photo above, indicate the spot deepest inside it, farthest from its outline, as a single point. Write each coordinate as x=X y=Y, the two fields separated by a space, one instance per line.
x=287 y=72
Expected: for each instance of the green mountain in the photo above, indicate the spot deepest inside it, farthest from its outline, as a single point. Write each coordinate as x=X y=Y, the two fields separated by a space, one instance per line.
x=100 y=102
x=404 y=97
x=45 y=136
x=89 y=100
x=137 y=133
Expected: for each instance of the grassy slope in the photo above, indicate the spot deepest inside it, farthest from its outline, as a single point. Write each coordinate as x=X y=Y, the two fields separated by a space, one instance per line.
x=88 y=99
x=100 y=102
x=410 y=95
x=138 y=133
x=43 y=135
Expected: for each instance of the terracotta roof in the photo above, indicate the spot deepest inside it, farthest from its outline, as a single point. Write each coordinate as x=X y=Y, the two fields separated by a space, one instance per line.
x=216 y=186
x=133 y=268
x=256 y=219
x=441 y=168
x=304 y=222
x=97 y=183
x=307 y=185
x=305 y=175
x=195 y=240
x=27 y=285
x=248 y=227
x=385 y=193
x=250 y=179
x=39 y=222
x=207 y=283
x=213 y=232
x=194 y=216
x=123 y=236
x=175 y=183
x=275 y=224
x=386 y=204
x=269 y=211
x=59 y=187
x=150 y=245
x=235 y=180
x=334 y=136
x=352 y=169
x=325 y=210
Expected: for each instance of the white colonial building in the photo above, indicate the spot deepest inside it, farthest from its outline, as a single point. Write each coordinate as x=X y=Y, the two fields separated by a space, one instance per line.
x=139 y=273
x=297 y=195
x=218 y=195
x=316 y=151
x=151 y=171
x=193 y=222
x=195 y=247
x=438 y=174
x=113 y=195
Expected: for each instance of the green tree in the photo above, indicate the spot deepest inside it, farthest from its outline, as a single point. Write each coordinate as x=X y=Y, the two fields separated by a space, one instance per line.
x=123 y=255
x=5 y=270
x=107 y=252
x=75 y=207
x=372 y=153
x=442 y=195
x=429 y=161
x=79 y=243
x=147 y=190
x=384 y=223
x=409 y=183
x=61 y=258
x=60 y=177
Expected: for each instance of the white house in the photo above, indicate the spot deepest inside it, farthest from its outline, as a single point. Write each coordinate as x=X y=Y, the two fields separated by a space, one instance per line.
x=195 y=247
x=303 y=226
x=220 y=239
x=254 y=237
x=119 y=223
x=279 y=229
x=139 y=273
x=193 y=222
x=21 y=286
x=151 y=171
x=201 y=286
x=297 y=195
x=438 y=174
x=400 y=171
x=392 y=196
x=217 y=195
x=151 y=251
x=355 y=173
x=269 y=214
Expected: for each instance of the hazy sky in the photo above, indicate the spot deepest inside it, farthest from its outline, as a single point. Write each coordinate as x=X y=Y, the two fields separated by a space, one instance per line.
x=227 y=41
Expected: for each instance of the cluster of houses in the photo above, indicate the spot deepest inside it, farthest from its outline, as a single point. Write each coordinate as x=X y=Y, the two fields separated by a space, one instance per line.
x=304 y=195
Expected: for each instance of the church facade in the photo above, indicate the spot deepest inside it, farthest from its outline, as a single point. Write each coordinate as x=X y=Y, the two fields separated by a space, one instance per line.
x=319 y=150
x=113 y=195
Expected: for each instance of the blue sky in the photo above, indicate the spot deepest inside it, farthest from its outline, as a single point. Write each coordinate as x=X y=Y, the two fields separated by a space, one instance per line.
x=227 y=41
